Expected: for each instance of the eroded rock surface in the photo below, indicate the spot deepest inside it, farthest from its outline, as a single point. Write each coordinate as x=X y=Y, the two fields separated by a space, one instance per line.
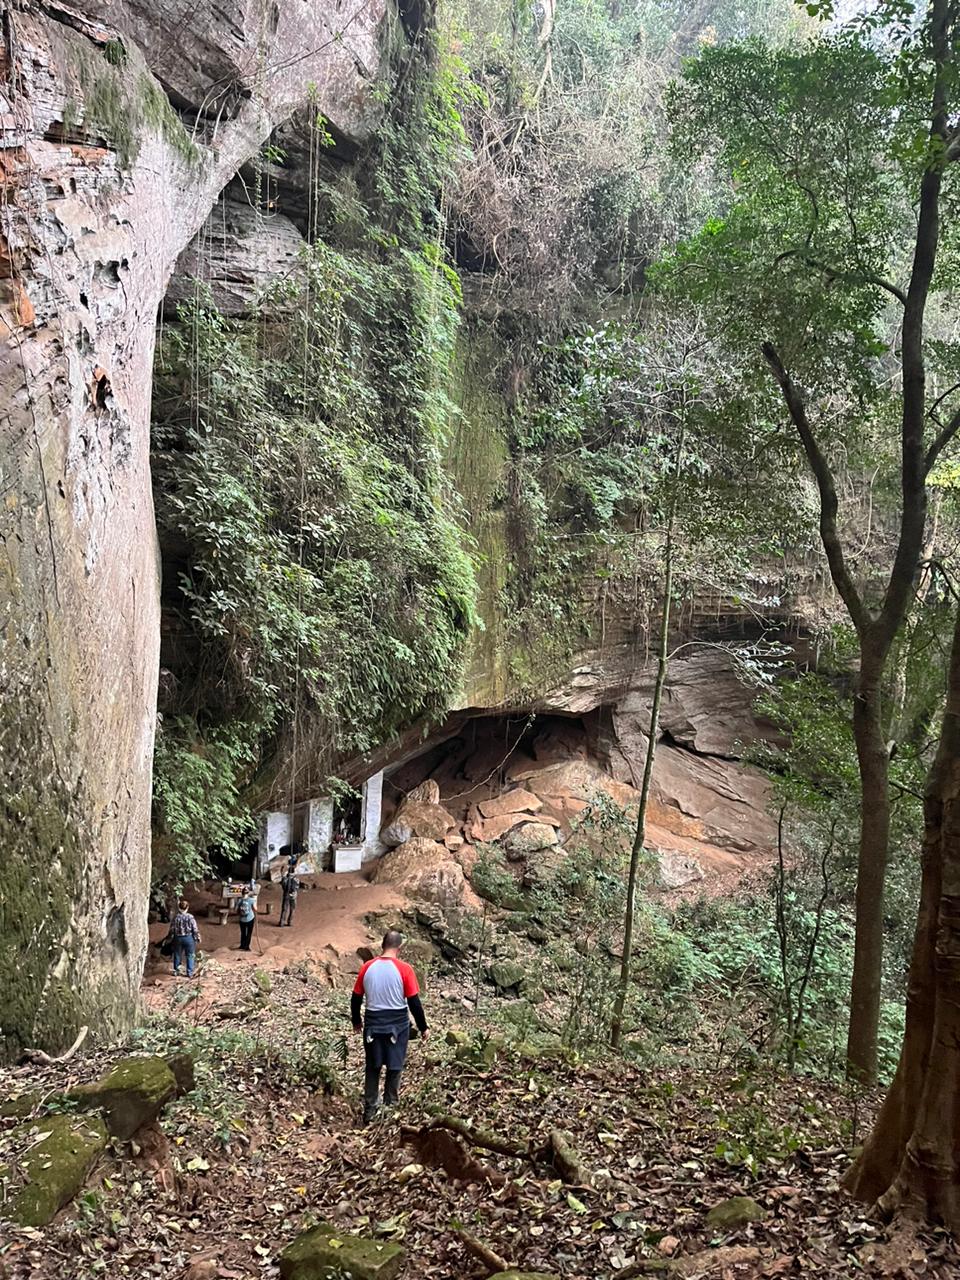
x=120 y=123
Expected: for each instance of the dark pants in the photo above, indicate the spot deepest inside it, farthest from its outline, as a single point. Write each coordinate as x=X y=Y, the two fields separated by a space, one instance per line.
x=385 y=1048
x=287 y=908
x=246 y=933
x=371 y=1090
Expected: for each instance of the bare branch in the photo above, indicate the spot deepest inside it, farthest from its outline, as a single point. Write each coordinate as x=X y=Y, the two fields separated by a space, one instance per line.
x=940 y=442
x=826 y=485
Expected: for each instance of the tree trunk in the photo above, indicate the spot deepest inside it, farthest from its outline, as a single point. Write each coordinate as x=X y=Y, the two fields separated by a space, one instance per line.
x=639 y=838
x=103 y=187
x=873 y=761
x=911 y=1162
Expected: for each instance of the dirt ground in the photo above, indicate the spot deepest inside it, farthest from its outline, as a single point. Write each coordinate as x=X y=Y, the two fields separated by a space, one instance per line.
x=328 y=926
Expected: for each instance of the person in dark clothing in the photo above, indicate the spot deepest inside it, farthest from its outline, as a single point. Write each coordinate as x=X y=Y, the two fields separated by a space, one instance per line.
x=389 y=987
x=247 y=914
x=291 y=887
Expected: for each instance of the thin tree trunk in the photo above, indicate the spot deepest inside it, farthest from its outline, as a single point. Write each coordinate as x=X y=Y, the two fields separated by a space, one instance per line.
x=873 y=760
x=636 y=852
x=911 y=1162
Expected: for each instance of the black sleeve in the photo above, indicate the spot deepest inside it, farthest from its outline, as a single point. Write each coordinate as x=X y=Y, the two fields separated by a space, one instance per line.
x=355 y=1005
x=419 y=1017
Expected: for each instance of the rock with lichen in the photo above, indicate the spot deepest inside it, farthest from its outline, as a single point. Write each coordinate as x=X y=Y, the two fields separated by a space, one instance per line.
x=326 y=1254
x=133 y=1093
x=54 y=1156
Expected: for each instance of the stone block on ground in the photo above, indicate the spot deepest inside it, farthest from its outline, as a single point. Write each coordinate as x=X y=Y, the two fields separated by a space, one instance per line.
x=325 y=1254
x=21 y=1106
x=58 y=1154
x=130 y=1095
x=738 y=1211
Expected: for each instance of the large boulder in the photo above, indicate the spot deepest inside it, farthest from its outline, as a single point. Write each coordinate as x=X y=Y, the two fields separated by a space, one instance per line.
x=324 y=1254
x=55 y=1155
x=420 y=815
x=130 y=1095
x=424 y=870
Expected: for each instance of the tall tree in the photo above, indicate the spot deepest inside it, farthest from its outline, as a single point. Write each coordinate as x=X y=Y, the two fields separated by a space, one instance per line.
x=841 y=154
x=911 y=1161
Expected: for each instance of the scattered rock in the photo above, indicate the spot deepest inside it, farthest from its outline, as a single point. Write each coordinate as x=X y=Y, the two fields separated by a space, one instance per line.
x=677 y=869
x=531 y=838
x=486 y=830
x=263 y=980
x=130 y=1095
x=324 y=1254
x=365 y=954
x=517 y=801
x=738 y=1211
x=420 y=953
x=457 y=1038
x=507 y=976
x=60 y=1152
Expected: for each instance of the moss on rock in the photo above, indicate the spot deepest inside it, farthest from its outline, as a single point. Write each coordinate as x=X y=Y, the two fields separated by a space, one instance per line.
x=130 y=1095
x=58 y=1153
x=732 y=1214
x=324 y=1254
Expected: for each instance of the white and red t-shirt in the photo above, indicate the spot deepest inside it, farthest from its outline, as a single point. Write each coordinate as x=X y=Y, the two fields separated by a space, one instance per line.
x=387 y=983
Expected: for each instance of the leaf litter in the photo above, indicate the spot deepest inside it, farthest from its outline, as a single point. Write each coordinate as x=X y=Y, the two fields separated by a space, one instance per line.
x=269 y=1144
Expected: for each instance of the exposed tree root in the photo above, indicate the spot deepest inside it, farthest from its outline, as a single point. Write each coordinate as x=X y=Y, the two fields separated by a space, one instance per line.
x=43 y=1059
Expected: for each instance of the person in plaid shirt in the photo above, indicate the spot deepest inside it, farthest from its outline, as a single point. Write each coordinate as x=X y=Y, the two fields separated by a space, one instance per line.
x=186 y=938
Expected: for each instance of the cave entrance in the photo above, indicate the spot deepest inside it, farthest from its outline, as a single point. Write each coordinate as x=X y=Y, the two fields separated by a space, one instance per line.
x=489 y=755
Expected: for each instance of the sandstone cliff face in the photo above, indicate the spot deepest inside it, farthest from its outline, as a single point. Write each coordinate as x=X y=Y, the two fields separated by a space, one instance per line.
x=120 y=123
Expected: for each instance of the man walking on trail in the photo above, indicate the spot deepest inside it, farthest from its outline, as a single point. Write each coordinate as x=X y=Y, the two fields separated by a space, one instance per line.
x=392 y=993
x=291 y=887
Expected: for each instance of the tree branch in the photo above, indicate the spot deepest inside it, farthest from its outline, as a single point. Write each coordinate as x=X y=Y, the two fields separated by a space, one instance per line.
x=846 y=277
x=940 y=442
x=829 y=504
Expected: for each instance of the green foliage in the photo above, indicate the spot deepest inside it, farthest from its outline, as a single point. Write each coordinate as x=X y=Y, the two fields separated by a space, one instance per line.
x=317 y=568
x=197 y=796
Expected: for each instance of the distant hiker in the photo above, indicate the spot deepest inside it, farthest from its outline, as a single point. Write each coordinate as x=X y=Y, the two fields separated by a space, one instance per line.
x=186 y=938
x=247 y=913
x=390 y=987
x=291 y=887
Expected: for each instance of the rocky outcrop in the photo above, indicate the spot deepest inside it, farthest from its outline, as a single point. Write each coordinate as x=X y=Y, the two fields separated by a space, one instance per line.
x=708 y=816
x=120 y=123
x=426 y=872
x=419 y=817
